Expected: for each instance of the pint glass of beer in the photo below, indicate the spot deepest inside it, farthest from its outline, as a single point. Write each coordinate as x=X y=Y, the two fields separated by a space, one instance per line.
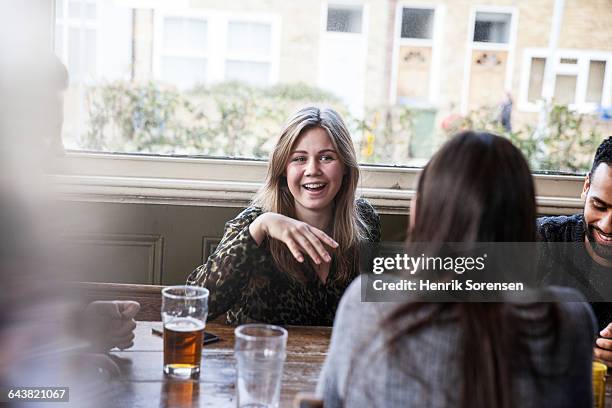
x=184 y=310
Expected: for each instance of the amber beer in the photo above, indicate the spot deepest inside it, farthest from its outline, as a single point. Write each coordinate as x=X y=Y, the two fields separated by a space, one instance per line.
x=184 y=310
x=183 y=346
x=180 y=394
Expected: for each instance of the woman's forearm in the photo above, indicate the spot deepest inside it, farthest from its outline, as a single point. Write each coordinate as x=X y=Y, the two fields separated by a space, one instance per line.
x=257 y=229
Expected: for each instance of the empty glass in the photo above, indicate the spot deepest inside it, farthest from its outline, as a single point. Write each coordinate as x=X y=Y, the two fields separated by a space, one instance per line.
x=260 y=355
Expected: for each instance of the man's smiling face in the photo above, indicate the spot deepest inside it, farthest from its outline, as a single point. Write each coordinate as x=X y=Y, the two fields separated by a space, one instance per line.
x=597 y=193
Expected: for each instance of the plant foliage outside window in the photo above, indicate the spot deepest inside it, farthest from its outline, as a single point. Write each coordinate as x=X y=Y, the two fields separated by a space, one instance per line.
x=234 y=119
x=562 y=141
x=229 y=119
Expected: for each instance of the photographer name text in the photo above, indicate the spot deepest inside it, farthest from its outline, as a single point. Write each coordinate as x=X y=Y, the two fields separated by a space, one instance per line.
x=454 y=285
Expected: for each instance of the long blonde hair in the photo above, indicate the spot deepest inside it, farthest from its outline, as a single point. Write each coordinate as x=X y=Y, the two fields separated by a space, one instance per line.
x=348 y=228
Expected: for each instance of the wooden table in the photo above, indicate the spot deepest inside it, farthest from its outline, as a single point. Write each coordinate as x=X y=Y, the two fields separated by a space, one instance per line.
x=143 y=384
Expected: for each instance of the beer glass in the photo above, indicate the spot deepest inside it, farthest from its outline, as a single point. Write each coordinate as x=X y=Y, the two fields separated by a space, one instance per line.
x=184 y=310
x=260 y=356
x=182 y=393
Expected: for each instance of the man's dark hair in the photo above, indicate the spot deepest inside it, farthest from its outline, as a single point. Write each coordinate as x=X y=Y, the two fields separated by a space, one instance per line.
x=603 y=155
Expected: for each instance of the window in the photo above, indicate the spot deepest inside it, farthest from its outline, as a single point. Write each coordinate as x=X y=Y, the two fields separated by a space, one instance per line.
x=492 y=27
x=344 y=18
x=75 y=37
x=249 y=47
x=565 y=89
x=184 y=51
x=207 y=78
x=93 y=51
x=595 y=84
x=202 y=49
x=536 y=79
x=417 y=23
x=578 y=79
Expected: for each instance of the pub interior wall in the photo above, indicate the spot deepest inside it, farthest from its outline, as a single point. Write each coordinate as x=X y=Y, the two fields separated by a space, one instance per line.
x=183 y=234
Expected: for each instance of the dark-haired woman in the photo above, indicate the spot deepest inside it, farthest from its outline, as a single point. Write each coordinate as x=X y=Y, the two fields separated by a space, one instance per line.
x=477 y=188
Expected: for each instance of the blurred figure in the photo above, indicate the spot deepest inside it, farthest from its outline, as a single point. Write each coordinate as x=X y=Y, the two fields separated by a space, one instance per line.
x=505 y=113
x=46 y=335
x=109 y=324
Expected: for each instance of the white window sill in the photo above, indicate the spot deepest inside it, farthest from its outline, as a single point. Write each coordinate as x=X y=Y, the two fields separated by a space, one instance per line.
x=232 y=183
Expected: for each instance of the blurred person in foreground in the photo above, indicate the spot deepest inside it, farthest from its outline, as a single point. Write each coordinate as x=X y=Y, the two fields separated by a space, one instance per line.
x=469 y=354
x=593 y=228
x=47 y=337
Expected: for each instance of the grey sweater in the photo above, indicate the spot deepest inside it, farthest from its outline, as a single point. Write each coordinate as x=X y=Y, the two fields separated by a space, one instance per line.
x=424 y=371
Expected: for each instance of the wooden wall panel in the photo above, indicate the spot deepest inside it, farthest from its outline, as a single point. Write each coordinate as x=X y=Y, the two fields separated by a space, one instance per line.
x=120 y=258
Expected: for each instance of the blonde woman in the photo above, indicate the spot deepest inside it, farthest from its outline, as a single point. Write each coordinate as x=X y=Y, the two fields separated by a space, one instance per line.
x=288 y=258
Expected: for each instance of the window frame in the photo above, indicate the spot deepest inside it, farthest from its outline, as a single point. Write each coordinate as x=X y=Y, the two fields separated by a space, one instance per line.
x=580 y=69
x=226 y=182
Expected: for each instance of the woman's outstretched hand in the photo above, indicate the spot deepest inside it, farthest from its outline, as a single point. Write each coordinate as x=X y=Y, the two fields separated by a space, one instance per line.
x=300 y=237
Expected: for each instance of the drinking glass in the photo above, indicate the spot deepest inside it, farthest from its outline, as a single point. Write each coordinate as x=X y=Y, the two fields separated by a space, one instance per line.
x=260 y=355
x=599 y=384
x=184 y=311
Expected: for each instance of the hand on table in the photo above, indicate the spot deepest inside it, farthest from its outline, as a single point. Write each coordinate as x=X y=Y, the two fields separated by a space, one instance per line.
x=111 y=324
x=98 y=365
x=300 y=237
x=603 y=350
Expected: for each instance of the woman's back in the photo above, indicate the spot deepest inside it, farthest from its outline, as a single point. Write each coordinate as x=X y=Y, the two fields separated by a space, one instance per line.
x=477 y=188
x=423 y=369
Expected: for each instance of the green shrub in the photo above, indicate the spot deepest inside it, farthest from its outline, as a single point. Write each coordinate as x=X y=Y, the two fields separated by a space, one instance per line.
x=227 y=119
x=562 y=141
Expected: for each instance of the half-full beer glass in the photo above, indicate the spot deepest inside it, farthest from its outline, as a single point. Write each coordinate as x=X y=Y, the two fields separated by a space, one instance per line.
x=184 y=310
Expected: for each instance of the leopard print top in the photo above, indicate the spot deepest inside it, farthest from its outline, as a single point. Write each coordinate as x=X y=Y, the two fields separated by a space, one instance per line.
x=244 y=281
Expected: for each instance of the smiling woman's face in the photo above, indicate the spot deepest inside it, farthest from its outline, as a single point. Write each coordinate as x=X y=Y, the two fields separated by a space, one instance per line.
x=314 y=172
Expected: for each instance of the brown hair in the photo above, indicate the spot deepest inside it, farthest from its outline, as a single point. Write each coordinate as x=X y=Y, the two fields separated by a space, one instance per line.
x=477 y=188
x=348 y=228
